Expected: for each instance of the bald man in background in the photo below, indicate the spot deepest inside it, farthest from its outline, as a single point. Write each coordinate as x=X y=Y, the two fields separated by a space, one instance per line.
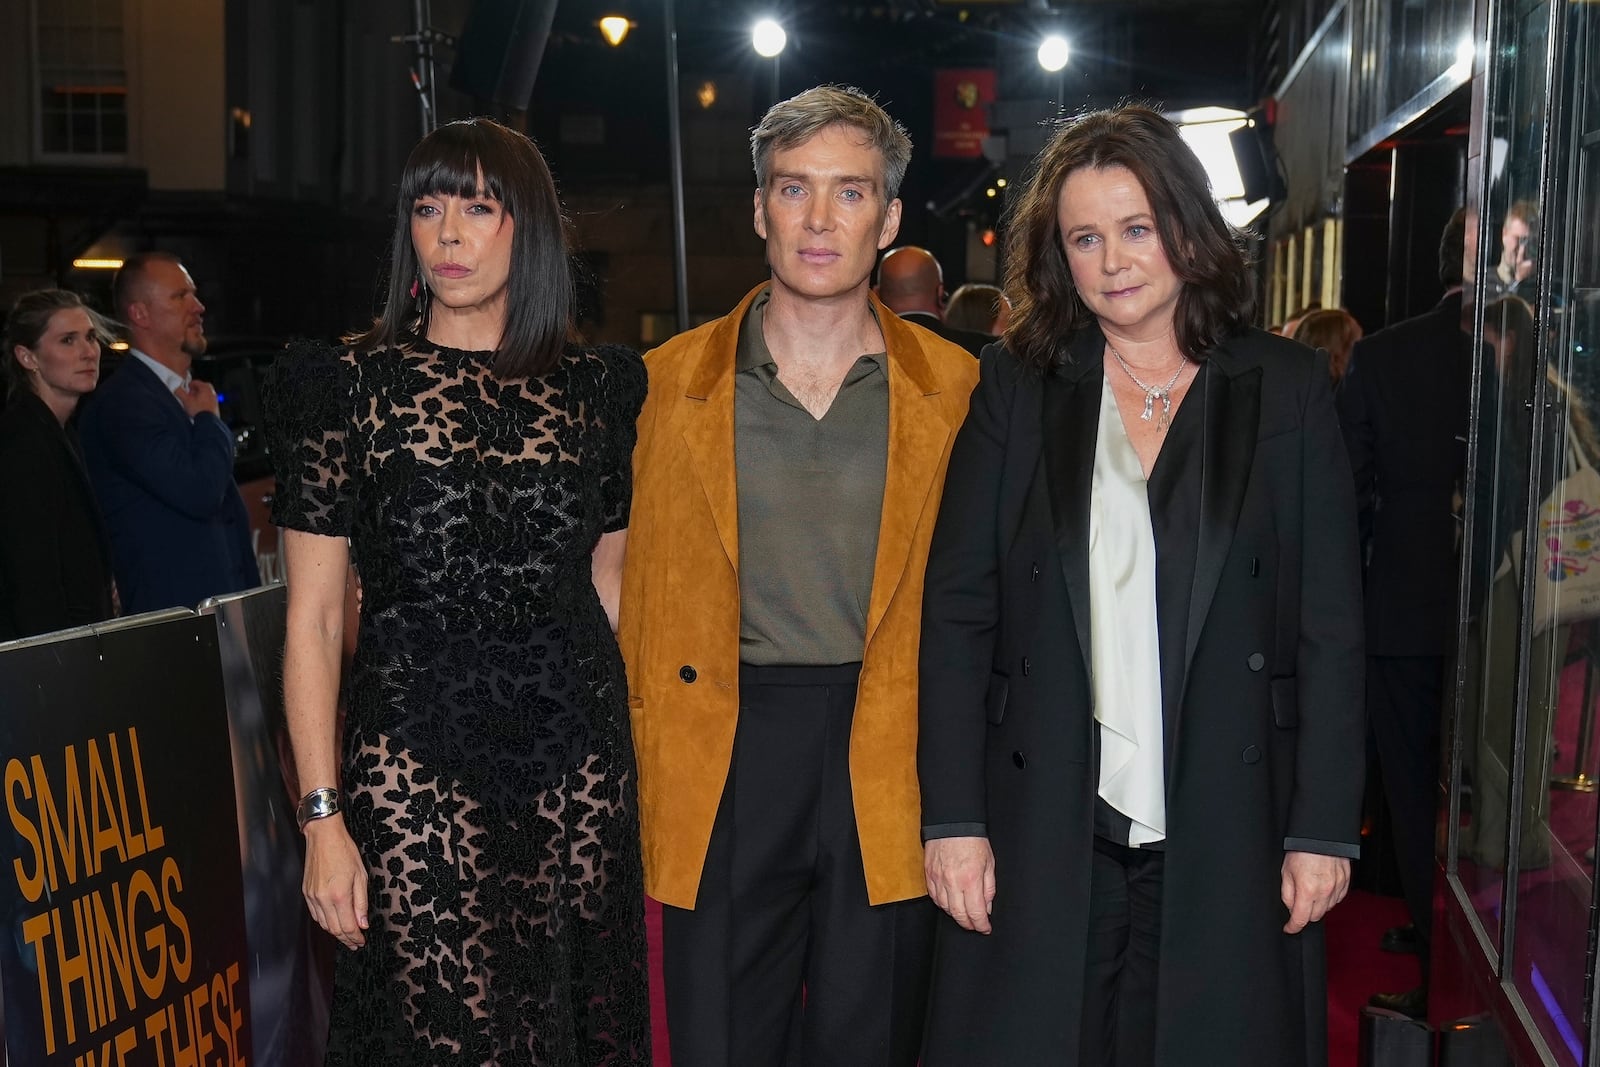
x=911 y=283
x=159 y=455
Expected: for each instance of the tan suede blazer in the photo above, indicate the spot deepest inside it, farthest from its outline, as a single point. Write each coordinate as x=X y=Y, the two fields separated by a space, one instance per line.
x=679 y=625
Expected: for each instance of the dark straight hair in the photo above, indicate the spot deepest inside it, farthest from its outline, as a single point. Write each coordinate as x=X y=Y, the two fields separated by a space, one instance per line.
x=1217 y=299
x=539 y=292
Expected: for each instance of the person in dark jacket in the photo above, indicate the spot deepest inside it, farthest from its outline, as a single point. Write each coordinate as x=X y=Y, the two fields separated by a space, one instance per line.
x=159 y=454
x=1140 y=689
x=911 y=283
x=55 y=567
x=1404 y=410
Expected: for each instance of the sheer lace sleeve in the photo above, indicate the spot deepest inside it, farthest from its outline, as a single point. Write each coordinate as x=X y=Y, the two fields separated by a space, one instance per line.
x=621 y=394
x=308 y=414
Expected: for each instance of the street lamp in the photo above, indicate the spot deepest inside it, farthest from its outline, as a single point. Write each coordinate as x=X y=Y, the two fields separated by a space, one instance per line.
x=1053 y=55
x=768 y=38
x=1054 y=52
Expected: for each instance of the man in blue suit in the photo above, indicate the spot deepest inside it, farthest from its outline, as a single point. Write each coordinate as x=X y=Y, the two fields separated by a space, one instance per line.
x=159 y=455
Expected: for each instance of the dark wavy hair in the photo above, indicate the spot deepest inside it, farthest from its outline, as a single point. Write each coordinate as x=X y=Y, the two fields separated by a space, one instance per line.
x=1218 y=297
x=540 y=291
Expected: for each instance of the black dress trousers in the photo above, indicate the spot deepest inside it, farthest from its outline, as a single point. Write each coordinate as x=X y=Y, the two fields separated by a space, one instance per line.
x=782 y=962
x=1123 y=962
x=1405 y=697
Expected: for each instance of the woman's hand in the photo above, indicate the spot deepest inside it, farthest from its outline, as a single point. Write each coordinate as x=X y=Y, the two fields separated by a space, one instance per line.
x=1312 y=885
x=960 y=873
x=335 y=884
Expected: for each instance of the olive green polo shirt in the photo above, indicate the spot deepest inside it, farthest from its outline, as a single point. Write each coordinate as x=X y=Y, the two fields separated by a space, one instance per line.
x=810 y=500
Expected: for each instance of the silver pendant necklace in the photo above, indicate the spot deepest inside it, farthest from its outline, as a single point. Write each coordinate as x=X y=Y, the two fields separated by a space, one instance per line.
x=1152 y=393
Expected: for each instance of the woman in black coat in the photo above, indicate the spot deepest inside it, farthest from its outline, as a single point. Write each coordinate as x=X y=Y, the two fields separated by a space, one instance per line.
x=1141 y=668
x=55 y=570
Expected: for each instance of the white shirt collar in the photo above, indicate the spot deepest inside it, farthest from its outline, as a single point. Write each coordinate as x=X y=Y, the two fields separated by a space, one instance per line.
x=169 y=377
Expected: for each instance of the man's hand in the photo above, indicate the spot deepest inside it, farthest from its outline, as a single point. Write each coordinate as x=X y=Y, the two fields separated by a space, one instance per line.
x=960 y=873
x=198 y=396
x=1312 y=885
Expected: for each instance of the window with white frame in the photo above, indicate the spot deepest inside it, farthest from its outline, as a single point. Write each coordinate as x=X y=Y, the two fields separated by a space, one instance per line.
x=82 y=77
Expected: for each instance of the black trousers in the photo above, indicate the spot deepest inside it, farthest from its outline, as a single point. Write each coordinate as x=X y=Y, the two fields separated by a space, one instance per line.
x=1124 y=956
x=1404 y=695
x=782 y=961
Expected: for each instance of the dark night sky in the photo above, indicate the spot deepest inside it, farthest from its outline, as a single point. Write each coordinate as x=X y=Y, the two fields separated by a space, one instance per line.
x=1179 y=54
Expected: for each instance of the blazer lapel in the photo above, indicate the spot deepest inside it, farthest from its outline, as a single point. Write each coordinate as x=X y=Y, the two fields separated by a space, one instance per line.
x=708 y=425
x=1071 y=421
x=918 y=434
x=144 y=378
x=1232 y=418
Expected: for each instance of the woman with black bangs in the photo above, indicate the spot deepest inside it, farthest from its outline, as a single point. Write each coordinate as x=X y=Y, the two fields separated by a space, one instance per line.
x=1140 y=743
x=477 y=849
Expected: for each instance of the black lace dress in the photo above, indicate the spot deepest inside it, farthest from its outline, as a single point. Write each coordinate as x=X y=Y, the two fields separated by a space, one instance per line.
x=488 y=767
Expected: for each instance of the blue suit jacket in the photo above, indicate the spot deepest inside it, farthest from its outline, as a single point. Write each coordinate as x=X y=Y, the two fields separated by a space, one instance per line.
x=178 y=527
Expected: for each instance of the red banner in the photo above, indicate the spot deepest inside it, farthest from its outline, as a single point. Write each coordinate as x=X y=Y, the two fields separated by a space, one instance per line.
x=961 y=112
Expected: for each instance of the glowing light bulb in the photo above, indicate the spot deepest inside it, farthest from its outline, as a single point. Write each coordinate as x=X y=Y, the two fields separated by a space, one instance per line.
x=768 y=38
x=1054 y=52
x=614 y=28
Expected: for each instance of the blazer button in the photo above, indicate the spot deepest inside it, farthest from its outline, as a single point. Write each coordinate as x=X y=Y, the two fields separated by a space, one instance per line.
x=1251 y=754
x=1026 y=666
x=1020 y=760
x=687 y=673
x=1034 y=576
x=1256 y=661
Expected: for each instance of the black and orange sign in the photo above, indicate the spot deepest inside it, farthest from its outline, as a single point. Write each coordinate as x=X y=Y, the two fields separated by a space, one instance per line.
x=120 y=870
x=961 y=112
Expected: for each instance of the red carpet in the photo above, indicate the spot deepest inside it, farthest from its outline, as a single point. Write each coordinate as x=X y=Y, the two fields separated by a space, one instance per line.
x=1357 y=968
x=658 y=996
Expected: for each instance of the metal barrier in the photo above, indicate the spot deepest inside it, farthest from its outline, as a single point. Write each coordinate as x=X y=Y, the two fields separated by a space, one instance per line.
x=152 y=878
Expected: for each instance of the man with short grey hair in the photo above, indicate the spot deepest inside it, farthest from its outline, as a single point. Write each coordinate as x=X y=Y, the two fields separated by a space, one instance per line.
x=788 y=471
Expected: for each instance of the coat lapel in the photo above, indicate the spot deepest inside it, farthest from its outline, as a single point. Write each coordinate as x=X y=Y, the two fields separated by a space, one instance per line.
x=1232 y=418
x=1071 y=423
x=918 y=433
x=708 y=425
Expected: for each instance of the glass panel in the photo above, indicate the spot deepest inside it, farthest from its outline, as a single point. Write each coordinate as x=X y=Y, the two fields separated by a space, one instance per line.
x=53 y=131
x=1501 y=493
x=1556 y=879
x=1554 y=900
x=114 y=126
x=108 y=48
x=80 y=46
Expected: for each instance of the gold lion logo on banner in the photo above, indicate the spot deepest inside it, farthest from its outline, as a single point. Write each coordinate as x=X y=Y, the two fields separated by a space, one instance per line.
x=967 y=94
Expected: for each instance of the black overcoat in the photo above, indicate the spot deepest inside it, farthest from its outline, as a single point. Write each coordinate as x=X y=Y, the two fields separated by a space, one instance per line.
x=1404 y=406
x=1266 y=750
x=55 y=566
